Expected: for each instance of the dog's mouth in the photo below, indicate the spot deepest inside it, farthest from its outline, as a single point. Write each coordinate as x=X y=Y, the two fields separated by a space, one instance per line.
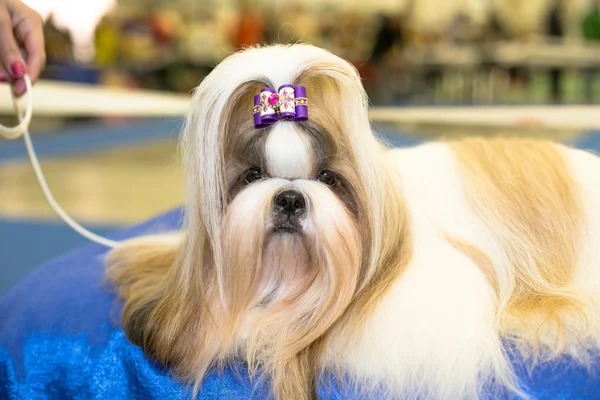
x=288 y=227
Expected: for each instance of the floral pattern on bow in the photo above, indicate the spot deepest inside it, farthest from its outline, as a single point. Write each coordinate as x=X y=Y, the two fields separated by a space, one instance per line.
x=288 y=103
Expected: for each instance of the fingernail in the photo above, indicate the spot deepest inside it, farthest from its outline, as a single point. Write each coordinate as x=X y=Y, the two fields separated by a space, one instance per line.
x=18 y=69
x=3 y=78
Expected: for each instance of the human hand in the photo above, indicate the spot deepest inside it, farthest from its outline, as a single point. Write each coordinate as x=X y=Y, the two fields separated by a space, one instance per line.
x=20 y=28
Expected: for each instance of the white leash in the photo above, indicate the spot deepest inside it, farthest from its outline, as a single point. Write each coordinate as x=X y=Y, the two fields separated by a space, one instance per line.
x=23 y=129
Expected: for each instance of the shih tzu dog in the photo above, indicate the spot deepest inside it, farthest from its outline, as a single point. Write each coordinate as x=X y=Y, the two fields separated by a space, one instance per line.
x=311 y=247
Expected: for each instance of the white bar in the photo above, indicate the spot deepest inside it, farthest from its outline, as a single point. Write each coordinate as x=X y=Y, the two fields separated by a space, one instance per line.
x=59 y=99
x=551 y=117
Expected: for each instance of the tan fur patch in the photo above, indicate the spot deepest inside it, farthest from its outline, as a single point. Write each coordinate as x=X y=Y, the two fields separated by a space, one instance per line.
x=525 y=193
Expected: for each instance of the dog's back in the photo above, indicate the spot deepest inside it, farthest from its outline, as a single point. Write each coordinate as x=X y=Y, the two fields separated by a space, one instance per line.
x=505 y=250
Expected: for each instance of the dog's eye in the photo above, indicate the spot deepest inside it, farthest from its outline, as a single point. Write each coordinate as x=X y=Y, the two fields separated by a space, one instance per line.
x=327 y=177
x=252 y=175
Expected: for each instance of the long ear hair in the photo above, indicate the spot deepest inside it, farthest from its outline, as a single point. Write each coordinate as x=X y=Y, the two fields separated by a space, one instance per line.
x=138 y=268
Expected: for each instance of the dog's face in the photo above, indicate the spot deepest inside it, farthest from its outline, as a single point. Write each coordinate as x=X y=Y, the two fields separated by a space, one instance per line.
x=292 y=198
x=293 y=209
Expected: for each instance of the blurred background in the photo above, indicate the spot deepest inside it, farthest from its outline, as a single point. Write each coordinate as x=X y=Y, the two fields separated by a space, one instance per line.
x=408 y=51
x=419 y=60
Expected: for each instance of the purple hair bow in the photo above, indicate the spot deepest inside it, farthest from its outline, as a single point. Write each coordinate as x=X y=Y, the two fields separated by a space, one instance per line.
x=288 y=103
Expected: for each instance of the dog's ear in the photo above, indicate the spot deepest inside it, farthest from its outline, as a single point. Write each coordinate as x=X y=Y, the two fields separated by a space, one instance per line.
x=338 y=103
x=218 y=118
x=139 y=269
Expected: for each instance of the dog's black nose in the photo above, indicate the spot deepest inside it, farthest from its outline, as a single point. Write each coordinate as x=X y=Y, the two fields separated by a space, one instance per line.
x=290 y=202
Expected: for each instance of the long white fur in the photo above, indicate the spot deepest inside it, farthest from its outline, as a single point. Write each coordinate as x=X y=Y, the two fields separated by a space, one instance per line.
x=289 y=152
x=434 y=333
x=585 y=168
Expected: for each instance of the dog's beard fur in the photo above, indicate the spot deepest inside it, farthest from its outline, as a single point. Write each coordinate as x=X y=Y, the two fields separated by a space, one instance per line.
x=235 y=288
x=283 y=291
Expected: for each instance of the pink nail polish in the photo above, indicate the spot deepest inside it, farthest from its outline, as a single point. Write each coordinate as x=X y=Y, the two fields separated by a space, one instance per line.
x=18 y=69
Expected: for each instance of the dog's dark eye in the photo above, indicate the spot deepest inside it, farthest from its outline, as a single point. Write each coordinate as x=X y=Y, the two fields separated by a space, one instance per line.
x=327 y=177
x=252 y=175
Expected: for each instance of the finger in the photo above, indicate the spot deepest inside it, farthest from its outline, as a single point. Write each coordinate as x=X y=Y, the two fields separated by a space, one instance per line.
x=9 y=51
x=4 y=77
x=19 y=88
x=30 y=33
